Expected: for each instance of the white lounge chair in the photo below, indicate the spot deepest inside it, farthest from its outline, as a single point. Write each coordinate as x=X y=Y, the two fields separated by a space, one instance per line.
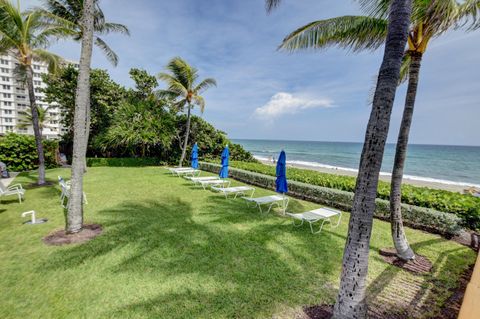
x=174 y=170
x=280 y=201
x=321 y=214
x=215 y=182
x=65 y=185
x=238 y=190
x=188 y=172
x=12 y=190
x=197 y=180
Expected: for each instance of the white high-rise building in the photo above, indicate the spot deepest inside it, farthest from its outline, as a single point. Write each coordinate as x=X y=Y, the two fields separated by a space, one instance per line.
x=14 y=99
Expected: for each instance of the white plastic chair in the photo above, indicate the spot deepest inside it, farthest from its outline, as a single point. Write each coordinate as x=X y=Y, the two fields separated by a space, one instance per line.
x=317 y=215
x=12 y=190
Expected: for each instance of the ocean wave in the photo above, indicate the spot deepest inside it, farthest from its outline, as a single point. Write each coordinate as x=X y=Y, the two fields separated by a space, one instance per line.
x=353 y=170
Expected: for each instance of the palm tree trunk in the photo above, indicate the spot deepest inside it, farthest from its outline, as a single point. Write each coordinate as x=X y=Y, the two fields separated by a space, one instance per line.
x=75 y=202
x=351 y=296
x=36 y=126
x=398 y=233
x=187 y=133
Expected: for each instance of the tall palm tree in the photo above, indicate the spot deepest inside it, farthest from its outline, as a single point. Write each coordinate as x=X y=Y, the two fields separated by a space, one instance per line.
x=26 y=118
x=350 y=301
x=72 y=10
x=80 y=121
x=430 y=19
x=25 y=35
x=184 y=88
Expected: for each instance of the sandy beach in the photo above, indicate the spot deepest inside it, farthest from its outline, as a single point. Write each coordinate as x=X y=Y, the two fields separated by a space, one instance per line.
x=386 y=178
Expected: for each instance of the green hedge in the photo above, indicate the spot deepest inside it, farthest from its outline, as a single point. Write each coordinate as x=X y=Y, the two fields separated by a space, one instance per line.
x=414 y=216
x=465 y=206
x=124 y=162
x=19 y=152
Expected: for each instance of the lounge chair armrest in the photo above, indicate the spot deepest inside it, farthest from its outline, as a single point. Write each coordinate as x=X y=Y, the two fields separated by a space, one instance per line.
x=15 y=187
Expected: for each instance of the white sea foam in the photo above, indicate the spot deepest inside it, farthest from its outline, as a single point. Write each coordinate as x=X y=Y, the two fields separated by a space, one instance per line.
x=353 y=170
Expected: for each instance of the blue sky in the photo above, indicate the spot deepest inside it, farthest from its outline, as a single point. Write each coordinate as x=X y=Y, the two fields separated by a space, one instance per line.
x=266 y=94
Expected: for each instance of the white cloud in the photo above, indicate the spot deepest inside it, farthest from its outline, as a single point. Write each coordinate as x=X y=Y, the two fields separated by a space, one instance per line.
x=285 y=103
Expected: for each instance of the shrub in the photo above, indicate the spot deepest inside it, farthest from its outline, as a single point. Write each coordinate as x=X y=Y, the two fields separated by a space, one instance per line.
x=465 y=206
x=414 y=216
x=19 y=152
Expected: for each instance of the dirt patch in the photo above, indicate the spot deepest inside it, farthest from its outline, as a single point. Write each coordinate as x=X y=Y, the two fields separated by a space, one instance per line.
x=319 y=311
x=60 y=237
x=452 y=305
x=420 y=265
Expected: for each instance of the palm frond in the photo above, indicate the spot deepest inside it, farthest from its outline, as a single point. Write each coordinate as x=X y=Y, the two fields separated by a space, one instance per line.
x=109 y=53
x=205 y=84
x=469 y=12
x=53 y=61
x=353 y=32
x=110 y=27
x=271 y=4
x=200 y=101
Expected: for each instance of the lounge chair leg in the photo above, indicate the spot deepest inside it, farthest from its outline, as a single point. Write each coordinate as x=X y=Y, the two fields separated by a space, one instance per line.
x=294 y=224
x=321 y=226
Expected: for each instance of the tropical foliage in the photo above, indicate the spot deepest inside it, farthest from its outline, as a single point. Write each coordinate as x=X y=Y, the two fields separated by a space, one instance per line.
x=105 y=96
x=126 y=122
x=19 y=152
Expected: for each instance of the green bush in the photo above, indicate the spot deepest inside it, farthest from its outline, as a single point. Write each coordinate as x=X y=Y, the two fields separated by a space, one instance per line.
x=414 y=216
x=19 y=152
x=465 y=206
x=124 y=162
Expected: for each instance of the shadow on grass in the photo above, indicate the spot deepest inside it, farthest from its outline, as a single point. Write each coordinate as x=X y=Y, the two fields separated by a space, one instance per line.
x=400 y=294
x=239 y=263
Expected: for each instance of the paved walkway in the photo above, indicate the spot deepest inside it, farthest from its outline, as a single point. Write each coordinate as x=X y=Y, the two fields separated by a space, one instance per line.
x=7 y=181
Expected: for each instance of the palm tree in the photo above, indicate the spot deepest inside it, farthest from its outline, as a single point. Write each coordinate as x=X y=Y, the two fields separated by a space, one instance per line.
x=72 y=10
x=430 y=19
x=350 y=301
x=26 y=118
x=80 y=121
x=25 y=35
x=183 y=87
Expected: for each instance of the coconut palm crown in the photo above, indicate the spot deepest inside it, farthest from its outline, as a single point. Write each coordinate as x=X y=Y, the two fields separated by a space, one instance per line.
x=72 y=10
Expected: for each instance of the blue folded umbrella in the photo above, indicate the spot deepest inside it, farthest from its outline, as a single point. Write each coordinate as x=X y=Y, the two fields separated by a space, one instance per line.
x=195 y=156
x=281 y=172
x=224 y=169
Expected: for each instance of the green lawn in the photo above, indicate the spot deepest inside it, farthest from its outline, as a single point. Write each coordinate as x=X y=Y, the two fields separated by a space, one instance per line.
x=170 y=250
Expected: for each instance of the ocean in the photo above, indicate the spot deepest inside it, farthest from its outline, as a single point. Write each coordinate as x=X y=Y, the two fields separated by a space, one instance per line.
x=446 y=164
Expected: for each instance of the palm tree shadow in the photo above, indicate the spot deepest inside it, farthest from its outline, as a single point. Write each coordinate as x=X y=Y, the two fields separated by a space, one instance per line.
x=237 y=248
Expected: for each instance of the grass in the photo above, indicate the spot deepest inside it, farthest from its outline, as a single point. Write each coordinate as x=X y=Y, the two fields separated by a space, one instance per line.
x=170 y=250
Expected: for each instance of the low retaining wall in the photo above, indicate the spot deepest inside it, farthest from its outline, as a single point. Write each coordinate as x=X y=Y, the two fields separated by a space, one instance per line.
x=416 y=217
x=471 y=300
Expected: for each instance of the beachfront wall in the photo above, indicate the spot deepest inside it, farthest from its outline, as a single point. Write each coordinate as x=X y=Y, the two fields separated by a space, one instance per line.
x=413 y=216
x=470 y=305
